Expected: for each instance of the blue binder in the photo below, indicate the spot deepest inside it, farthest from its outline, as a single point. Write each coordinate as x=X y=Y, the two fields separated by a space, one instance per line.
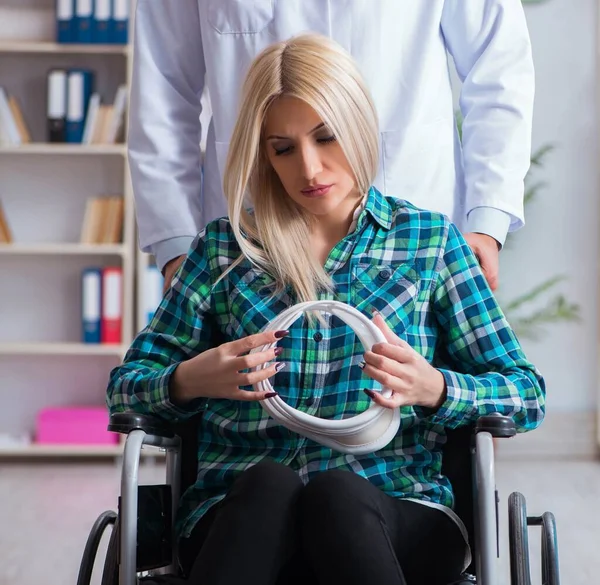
x=102 y=23
x=80 y=86
x=84 y=18
x=65 y=21
x=120 y=22
x=91 y=304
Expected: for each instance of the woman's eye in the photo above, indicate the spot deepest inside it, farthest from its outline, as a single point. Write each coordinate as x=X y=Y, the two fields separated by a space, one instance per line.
x=280 y=151
x=326 y=140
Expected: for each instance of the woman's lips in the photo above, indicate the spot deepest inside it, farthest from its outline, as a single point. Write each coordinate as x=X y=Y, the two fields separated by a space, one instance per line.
x=316 y=191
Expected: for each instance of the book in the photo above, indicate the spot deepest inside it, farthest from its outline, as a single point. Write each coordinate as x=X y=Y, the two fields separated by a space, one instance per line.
x=17 y=114
x=79 y=91
x=56 y=112
x=112 y=305
x=10 y=130
x=5 y=233
x=91 y=305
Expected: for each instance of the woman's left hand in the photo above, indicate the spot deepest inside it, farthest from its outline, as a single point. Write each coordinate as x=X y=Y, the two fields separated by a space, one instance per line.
x=397 y=366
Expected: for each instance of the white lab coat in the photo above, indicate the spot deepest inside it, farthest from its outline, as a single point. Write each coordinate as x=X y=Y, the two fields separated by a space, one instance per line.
x=401 y=47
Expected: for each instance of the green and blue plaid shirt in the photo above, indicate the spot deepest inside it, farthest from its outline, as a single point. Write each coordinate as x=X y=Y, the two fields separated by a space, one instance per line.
x=411 y=265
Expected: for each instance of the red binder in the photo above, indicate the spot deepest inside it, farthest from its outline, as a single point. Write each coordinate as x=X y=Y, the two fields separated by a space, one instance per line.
x=112 y=305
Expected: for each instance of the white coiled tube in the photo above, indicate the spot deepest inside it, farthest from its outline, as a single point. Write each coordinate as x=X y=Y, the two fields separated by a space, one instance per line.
x=364 y=433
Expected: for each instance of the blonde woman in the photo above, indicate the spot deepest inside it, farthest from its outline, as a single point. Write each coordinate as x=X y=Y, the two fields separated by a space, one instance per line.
x=268 y=506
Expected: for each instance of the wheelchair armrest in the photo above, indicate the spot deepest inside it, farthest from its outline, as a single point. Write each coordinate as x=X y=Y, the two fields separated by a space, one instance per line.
x=125 y=422
x=499 y=426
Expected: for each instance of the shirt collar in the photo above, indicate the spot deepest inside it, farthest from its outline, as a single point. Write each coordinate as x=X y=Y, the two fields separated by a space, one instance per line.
x=375 y=205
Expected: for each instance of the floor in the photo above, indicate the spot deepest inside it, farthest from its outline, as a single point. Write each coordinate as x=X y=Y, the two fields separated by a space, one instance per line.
x=46 y=511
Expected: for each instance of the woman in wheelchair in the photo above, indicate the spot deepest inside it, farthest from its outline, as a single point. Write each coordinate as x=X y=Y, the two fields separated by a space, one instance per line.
x=270 y=506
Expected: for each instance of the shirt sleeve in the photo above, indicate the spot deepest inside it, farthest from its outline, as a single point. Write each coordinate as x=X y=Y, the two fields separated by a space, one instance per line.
x=487 y=369
x=490 y=45
x=489 y=221
x=182 y=327
x=168 y=78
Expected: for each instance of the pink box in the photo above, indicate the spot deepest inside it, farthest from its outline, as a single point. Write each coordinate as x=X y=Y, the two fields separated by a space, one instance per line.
x=72 y=425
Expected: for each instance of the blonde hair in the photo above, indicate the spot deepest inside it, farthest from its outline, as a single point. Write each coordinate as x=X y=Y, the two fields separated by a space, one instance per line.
x=319 y=72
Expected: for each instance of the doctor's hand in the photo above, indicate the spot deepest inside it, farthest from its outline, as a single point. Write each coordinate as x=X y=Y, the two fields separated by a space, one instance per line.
x=169 y=271
x=396 y=365
x=486 y=249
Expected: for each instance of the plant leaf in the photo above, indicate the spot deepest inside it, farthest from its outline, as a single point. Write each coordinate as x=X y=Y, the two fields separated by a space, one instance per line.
x=557 y=310
x=533 y=293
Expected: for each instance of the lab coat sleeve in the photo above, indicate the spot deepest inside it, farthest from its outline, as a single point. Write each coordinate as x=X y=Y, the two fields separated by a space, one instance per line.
x=164 y=125
x=490 y=45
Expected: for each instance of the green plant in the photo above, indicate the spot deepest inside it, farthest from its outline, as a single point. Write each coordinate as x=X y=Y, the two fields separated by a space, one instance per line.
x=533 y=310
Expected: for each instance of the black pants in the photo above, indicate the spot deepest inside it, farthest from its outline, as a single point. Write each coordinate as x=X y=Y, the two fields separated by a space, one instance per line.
x=272 y=530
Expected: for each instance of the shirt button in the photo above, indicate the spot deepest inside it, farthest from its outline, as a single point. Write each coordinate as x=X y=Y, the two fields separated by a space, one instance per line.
x=385 y=274
x=318 y=336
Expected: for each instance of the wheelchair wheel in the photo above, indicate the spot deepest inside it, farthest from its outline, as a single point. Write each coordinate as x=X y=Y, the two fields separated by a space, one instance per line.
x=520 y=573
x=110 y=574
x=91 y=546
x=550 y=566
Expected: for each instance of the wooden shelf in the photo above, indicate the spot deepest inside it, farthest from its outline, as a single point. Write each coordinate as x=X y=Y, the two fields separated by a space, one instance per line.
x=51 y=348
x=65 y=149
x=35 y=450
x=40 y=47
x=62 y=249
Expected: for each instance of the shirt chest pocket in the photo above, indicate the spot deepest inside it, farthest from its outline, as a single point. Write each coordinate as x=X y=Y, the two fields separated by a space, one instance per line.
x=229 y=17
x=252 y=305
x=391 y=289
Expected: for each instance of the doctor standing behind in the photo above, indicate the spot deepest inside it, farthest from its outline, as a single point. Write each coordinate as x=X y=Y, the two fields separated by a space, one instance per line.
x=402 y=47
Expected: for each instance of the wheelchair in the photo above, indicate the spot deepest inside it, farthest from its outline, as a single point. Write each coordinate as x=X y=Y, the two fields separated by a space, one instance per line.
x=141 y=548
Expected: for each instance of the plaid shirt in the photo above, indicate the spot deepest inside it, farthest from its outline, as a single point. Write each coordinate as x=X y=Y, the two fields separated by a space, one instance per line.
x=411 y=265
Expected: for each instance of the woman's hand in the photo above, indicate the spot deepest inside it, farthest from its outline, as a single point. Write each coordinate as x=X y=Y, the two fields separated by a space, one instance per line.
x=219 y=372
x=400 y=368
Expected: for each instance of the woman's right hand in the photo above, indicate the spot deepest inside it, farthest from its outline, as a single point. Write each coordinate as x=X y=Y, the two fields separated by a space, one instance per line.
x=219 y=372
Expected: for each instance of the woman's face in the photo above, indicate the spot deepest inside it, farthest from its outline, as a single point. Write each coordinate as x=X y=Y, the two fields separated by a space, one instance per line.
x=308 y=159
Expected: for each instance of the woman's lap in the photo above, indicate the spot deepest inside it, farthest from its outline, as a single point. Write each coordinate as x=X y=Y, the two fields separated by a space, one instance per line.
x=337 y=528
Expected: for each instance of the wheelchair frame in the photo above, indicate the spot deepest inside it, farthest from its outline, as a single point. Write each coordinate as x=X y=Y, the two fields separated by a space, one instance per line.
x=146 y=430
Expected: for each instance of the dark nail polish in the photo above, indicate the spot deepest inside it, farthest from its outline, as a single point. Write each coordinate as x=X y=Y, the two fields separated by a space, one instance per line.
x=362 y=365
x=369 y=393
x=280 y=334
x=279 y=366
x=278 y=351
x=271 y=394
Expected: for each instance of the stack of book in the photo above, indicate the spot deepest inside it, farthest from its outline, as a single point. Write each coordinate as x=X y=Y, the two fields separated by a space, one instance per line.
x=75 y=111
x=102 y=304
x=92 y=21
x=103 y=220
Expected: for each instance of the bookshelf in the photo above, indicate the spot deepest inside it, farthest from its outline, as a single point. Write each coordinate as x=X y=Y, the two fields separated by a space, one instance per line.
x=40 y=47
x=65 y=149
x=43 y=193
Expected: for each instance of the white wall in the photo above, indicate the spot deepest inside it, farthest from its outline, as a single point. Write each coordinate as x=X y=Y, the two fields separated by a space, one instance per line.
x=561 y=233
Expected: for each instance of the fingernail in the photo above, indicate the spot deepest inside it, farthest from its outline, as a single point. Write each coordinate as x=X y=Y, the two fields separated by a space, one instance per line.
x=278 y=351
x=374 y=312
x=362 y=365
x=279 y=366
x=369 y=393
x=280 y=334
x=271 y=394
